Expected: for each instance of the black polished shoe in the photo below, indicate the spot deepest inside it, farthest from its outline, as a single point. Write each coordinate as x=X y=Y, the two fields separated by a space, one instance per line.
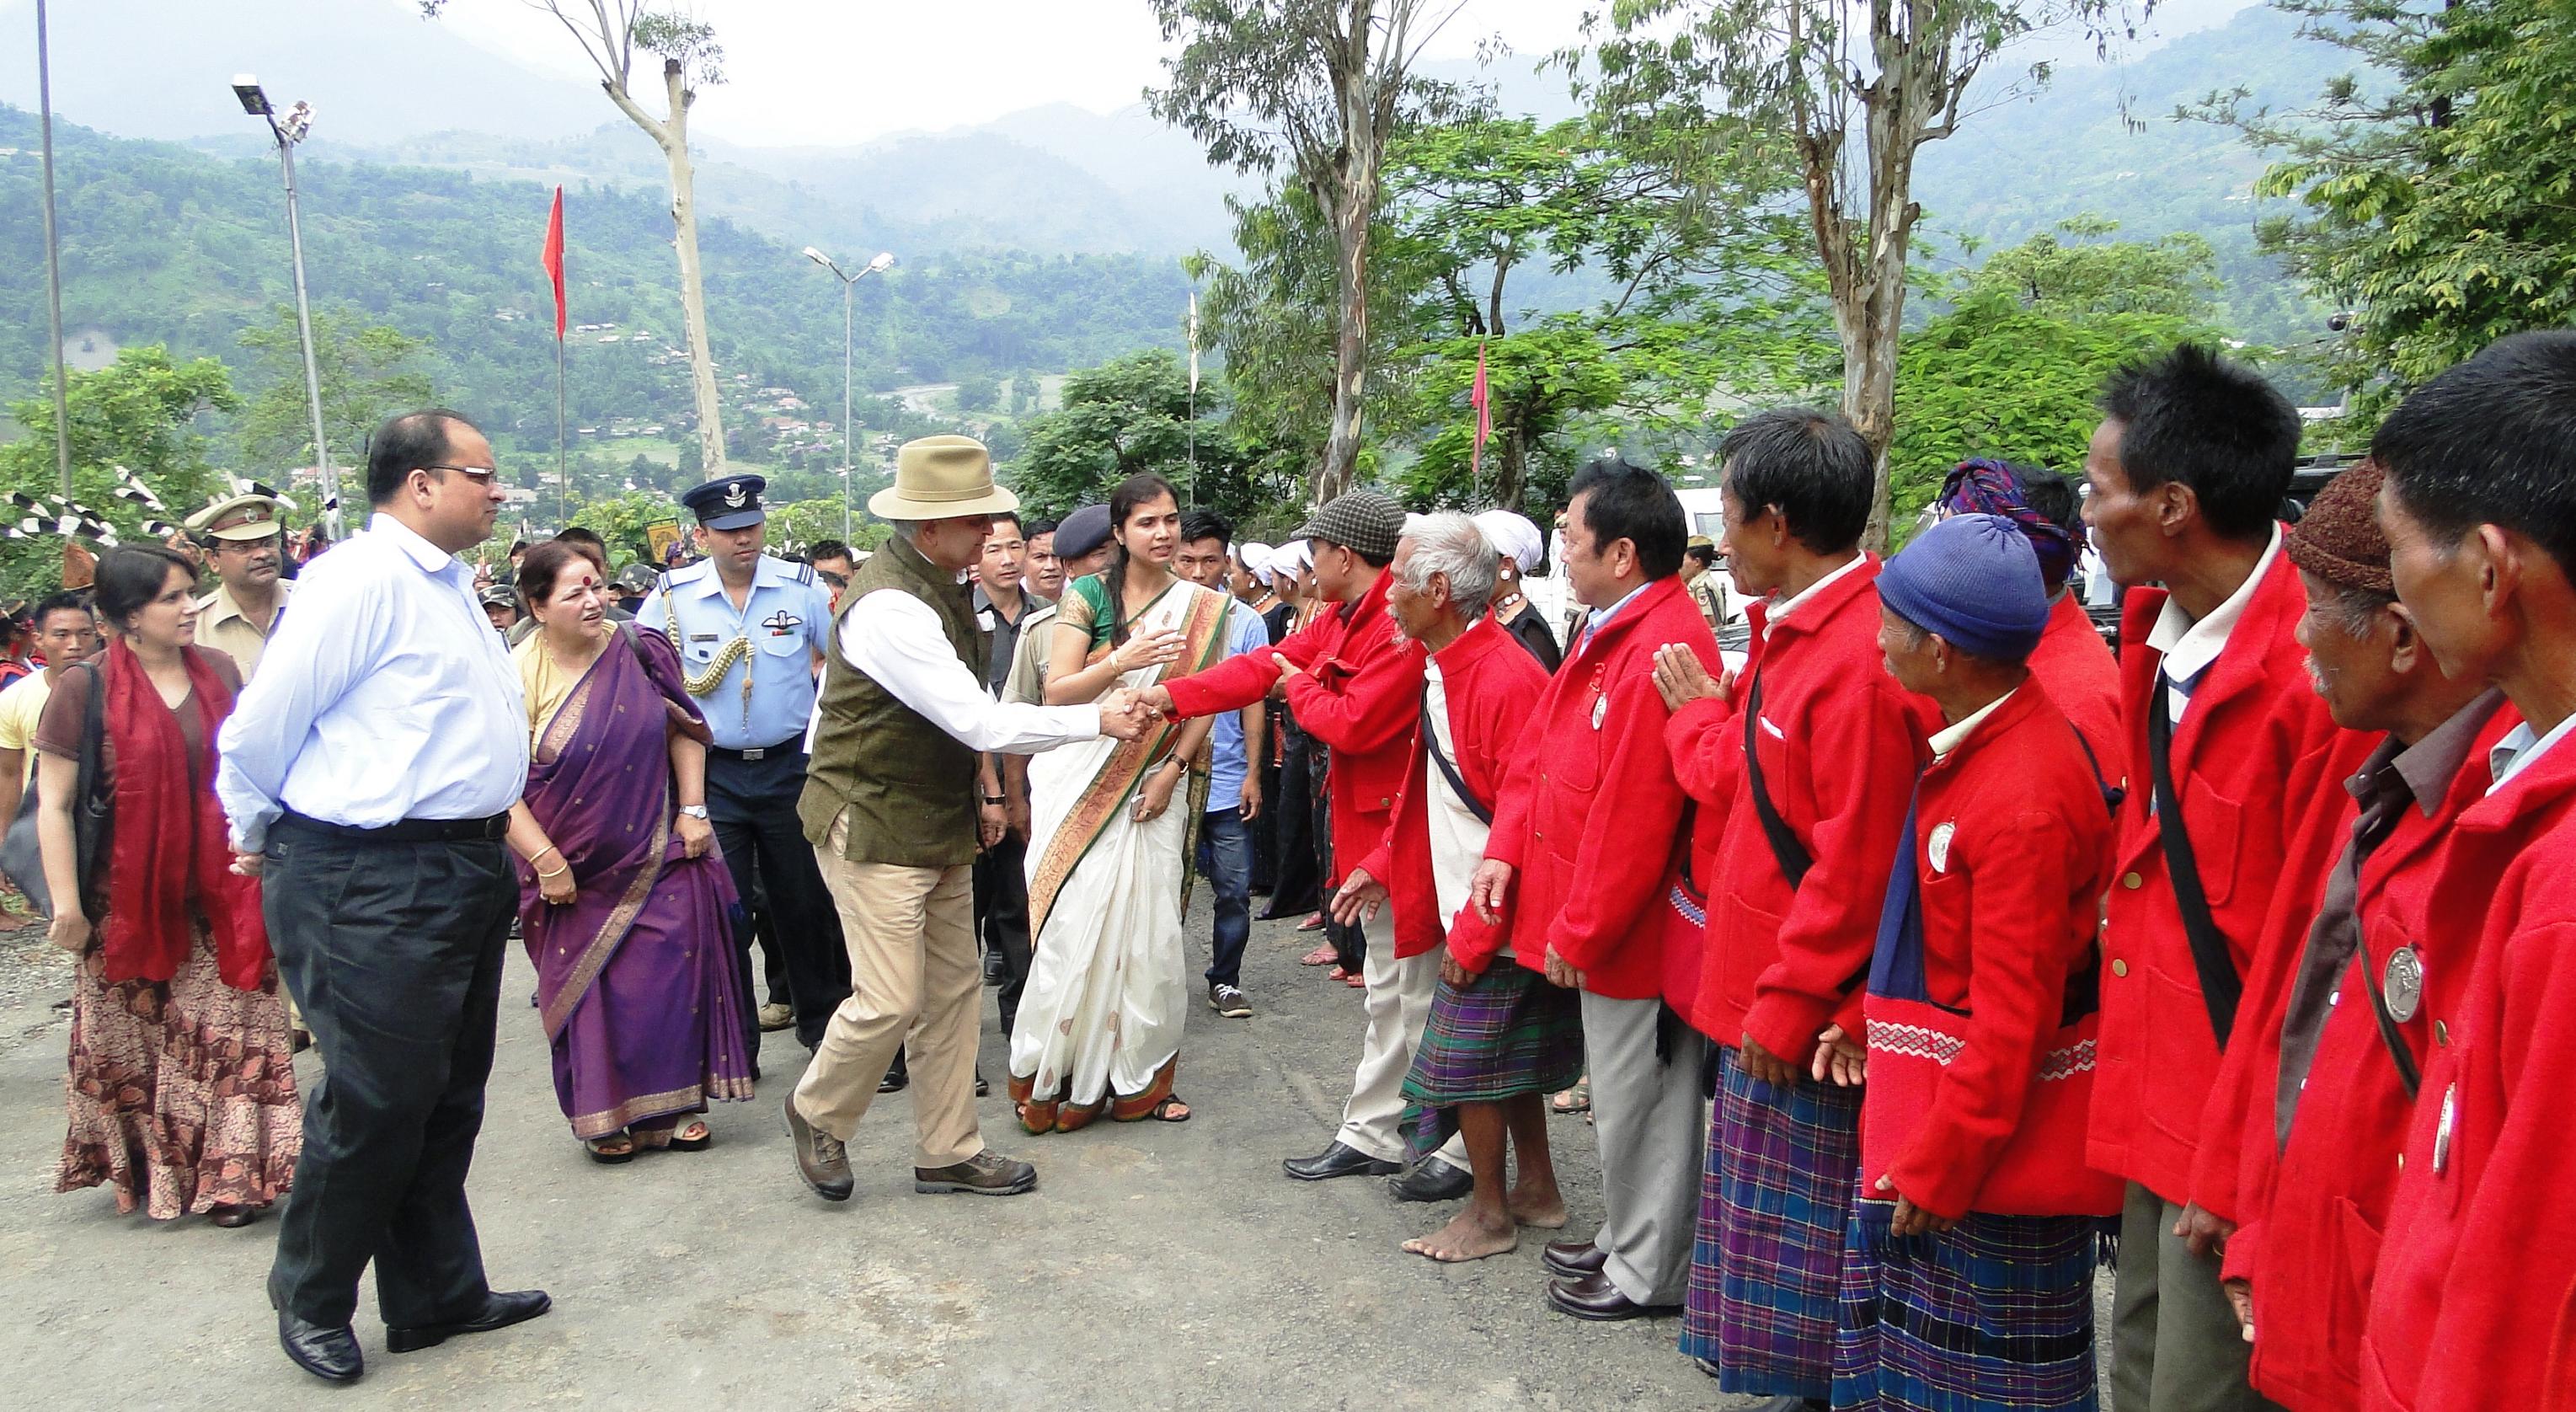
x=996 y=968
x=499 y=1311
x=983 y=1086
x=329 y=1354
x=1594 y=1297
x=1432 y=1180
x=1573 y=1259
x=896 y=1080
x=1338 y=1160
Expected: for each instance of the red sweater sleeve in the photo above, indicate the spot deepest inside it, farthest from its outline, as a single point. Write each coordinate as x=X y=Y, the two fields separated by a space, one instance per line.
x=1865 y=753
x=2018 y=884
x=1706 y=741
x=1505 y=841
x=1239 y=681
x=1368 y=711
x=1620 y=877
x=2492 y=1326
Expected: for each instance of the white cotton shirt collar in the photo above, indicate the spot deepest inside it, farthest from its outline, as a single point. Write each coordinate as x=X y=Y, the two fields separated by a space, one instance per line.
x=2188 y=647
x=2519 y=748
x=431 y=558
x=1783 y=608
x=1948 y=738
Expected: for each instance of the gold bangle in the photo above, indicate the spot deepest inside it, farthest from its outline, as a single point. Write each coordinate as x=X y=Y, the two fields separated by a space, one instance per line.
x=559 y=872
x=540 y=853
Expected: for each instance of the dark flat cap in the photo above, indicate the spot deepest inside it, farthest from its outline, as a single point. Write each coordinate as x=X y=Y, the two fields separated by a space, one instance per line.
x=1362 y=521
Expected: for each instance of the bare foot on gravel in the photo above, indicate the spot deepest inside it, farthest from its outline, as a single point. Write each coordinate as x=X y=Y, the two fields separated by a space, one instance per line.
x=1468 y=1236
x=1539 y=1210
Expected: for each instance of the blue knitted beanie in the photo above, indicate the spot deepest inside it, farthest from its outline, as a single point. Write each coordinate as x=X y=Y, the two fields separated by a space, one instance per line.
x=1974 y=580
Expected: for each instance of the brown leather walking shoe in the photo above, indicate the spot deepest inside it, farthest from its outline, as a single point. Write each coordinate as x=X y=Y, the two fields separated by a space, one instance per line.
x=986 y=1173
x=821 y=1160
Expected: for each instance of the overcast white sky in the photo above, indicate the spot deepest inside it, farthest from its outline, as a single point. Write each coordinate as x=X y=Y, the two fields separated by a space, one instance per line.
x=860 y=68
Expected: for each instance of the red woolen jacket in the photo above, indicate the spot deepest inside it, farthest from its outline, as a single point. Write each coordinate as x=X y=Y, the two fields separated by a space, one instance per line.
x=2083 y=678
x=2254 y=756
x=1589 y=809
x=2478 y=1255
x=1839 y=744
x=1360 y=692
x=2313 y=1206
x=2012 y=851
x=1491 y=685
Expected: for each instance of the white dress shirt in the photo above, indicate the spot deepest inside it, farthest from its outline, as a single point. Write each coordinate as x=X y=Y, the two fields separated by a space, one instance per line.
x=1781 y=608
x=2190 y=645
x=2520 y=747
x=896 y=639
x=384 y=696
x=1457 y=835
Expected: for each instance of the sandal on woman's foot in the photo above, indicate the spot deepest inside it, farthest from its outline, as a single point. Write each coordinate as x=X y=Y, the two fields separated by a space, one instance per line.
x=692 y=1136
x=1577 y=1099
x=1163 y=1112
x=1354 y=980
x=1321 y=956
x=611 y=1150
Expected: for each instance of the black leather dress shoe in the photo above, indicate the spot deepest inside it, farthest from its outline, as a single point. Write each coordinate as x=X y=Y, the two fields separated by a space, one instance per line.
x=1338 y=1160
x=1594 y=1297
x=1573 y=1259
x=896 y=1079
x=499 y=1311
x=330 y=1354
x=1432 y=1180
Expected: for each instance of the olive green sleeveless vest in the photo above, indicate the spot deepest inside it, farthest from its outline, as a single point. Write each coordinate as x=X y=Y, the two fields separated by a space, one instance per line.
x=908 y=786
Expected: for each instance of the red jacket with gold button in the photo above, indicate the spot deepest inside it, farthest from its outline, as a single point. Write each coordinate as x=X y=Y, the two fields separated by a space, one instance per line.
x=1490 y=684
x=2254 y=756
x=2478 y=1252
x=1839 y=743
x=1588 y=811
x=2083 y=678
x=1359 y=692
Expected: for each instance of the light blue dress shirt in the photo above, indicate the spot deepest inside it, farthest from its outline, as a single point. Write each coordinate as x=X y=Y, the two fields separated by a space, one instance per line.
x=787 y=617
x=1245 y=632
x=384 y=696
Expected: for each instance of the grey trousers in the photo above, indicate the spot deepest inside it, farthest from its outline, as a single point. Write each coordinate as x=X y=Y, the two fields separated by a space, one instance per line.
x=2175 y=1342
x=1652 y=1123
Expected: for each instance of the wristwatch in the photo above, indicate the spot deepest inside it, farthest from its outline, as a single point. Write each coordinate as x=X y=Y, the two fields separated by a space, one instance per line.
x=694 y=811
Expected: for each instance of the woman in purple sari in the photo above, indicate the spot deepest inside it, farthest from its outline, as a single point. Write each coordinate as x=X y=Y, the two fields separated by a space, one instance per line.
x=625 y=905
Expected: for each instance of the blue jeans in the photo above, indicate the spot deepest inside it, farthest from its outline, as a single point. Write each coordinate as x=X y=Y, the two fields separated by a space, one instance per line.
x=1226 y=857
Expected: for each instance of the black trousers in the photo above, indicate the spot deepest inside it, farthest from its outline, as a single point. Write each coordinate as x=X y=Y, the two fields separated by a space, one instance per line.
x=1002 y=918
x=752 y=804
x=1296 y=885
x=773 y=956
x=393 y=950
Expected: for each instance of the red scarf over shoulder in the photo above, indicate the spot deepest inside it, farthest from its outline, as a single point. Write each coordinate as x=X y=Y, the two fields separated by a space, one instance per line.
x=168 y=846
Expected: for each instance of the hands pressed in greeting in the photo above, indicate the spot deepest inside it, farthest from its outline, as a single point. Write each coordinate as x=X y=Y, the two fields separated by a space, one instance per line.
x=1681 y=678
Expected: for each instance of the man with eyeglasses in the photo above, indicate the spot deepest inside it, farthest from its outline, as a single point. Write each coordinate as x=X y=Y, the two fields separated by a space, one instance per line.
x=241 y=537
x=368 y=771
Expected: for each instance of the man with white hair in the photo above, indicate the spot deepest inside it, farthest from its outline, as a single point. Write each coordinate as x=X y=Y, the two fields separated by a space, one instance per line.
x=1496 y=1040
x=1517 y=542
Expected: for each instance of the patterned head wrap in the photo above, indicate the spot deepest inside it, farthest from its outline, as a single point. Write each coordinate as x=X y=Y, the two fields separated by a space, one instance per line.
x=1984 y=487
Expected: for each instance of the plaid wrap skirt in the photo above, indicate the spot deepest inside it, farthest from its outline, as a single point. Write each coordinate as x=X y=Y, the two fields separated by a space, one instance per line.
x=1995 y=1313
x=1505 y=1033
x=1775 y=1202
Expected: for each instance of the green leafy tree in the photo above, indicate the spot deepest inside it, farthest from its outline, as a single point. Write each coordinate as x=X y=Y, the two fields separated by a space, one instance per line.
x=368 y=372
x=978 y=392
x=1133 y=415
x=622 y=521
x=1848 y=91
x=1317 y=88
x=141 y=413
x=1024 y=393
x=2439 y=191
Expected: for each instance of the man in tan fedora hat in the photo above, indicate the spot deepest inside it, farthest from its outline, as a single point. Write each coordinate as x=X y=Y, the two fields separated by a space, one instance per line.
x=891 y=807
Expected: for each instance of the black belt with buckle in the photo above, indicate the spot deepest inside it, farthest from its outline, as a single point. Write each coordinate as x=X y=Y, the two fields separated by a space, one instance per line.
x=760 y=752
x=412 y=830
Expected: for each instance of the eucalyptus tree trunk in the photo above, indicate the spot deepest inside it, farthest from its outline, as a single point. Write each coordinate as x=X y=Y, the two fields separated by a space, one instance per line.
x=672 y=136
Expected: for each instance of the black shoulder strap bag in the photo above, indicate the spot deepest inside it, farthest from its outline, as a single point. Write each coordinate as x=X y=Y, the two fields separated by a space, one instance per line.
x=1793 y=857
x=2220 y=986
x=1448 y=771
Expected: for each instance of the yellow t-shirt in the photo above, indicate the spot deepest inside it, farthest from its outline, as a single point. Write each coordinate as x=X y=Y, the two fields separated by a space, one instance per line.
x=21 y=703
x=545 y=684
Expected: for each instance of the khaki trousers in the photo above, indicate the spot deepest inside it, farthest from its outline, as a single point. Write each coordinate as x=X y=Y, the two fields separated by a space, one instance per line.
x=1398 y=1007
x=915 y=979
x=2175 y=1342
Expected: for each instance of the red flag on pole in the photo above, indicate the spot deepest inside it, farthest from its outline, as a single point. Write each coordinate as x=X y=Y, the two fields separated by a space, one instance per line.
x=553 y=260
x=1480 y=397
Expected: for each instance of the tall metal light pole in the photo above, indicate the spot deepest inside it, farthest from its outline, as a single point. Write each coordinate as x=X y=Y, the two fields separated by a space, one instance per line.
x=849 y=284
x=297 y=123
x=53 y=257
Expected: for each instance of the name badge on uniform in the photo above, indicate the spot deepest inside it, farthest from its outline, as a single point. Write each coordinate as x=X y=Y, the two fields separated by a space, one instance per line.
x=1937 y=848
x=984 y=620
x=1600 y=710
x=2402 y=984
x=702 y=637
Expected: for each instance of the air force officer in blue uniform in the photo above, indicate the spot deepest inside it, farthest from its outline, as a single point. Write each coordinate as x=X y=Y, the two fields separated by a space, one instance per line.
x=751 y=631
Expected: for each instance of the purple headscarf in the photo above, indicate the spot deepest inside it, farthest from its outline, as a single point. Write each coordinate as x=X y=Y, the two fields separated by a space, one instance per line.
x=1984 y=487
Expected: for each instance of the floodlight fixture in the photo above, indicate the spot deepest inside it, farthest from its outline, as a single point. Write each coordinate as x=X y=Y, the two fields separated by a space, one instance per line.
x=253 y=101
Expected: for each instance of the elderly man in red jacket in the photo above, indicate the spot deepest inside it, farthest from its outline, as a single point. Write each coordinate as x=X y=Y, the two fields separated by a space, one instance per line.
x=1580 y=853
x=2229 y=752
x=2335 y=1081
x=1496 y=1038
x=2480 y=510
x=1355 y=684
x=1807 y=764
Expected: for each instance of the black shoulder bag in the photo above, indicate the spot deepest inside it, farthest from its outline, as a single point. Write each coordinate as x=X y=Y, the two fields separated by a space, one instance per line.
x=1792 y=855
x=1449 y=771
x=22 y=855
x=2220 y=986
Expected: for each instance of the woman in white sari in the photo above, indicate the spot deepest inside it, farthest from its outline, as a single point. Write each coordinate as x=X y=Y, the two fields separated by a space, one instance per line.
x=1100 y=1023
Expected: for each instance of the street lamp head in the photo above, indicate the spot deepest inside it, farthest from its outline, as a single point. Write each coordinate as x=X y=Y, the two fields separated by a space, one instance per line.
x=253 y=101
x=883 y=262
x=818 y=257
x=297 y=124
